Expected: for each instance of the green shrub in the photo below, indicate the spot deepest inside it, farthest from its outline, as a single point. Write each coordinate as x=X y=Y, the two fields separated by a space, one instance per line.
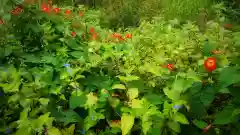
x=60 y=79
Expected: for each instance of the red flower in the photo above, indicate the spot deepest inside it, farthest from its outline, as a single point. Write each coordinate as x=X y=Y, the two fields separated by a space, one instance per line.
x=227 y=26
x=207 y=128
x=120 y=38
x=128 y=35
x=45 y=8
x=68 y=12
x=16 y=11
x=74 y=34
x=210 y=64
x=94 y=36
x=81 y=14
x=56 y=10
x=116 y=35
x=91 y=30
x=1 y=22
x=216 y=52
x=170 y=66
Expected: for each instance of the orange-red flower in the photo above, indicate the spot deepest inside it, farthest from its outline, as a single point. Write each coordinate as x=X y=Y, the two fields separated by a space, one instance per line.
x=227 y=26
x=128 y=35
x=94 y=36
x=68 y=12
x=56 y=10
x=1 y=21
x=92 y=30
x=210 y=64
x=170 y=66
x=81 y=14
x=120 y=38
x=16 y=11
x=116 y=35
x=216 y=52
x=74 y=34
x=45 y=8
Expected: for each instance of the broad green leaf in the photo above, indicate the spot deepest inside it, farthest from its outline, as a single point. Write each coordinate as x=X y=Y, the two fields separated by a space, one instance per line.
x=155 y=99
x=146 y=126
x=174 y=95
x=225 y=116
x=174 y=126
x=181 y=85
x=179 y=117
x=91 y=100
x=196 y=87
x=77 y=101
x=207 y=95
x=136 y=104
x=69 y=130
x=54 y=131
x=200 y=124
x=119 y=86
x=127 y=122
x=208 y=48
x=132 y=93
x=228 y=76
x=128 y=78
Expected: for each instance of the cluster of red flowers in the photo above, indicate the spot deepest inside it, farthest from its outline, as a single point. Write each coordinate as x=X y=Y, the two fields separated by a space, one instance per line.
x=120 y=37
x=16 y=11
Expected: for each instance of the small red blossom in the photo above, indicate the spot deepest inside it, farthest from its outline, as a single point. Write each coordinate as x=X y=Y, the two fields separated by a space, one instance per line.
x=116 y=35
x=170 y=66
x=92 y=30
x=210 y=64
x=216 y=52
x=74 y=34
x=227 y=26
x=44 y=8
x=16 y=11
x=115 y=121
x=56 y=10
x=207 y=128
x=94 y=36
x=128 y=35
x=68 y=12
x=120 y=38
x=1 y=22
x=81 y=14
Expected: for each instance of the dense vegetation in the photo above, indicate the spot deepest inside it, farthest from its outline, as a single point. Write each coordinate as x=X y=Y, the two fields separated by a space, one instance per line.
x=130 y=67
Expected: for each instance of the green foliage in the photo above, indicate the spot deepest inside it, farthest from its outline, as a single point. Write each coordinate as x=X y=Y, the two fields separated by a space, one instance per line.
x=62 y=78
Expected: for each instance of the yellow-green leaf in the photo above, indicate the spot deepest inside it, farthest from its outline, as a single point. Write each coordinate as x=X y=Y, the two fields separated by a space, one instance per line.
x=132 y=93
x=178 y=117
x=119 y=86
x=126 y=124
x=54 y=131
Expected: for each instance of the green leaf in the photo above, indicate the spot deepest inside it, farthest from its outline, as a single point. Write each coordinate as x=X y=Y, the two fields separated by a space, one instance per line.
x=132 y=93
x=54 y=131
x=200 y=124
x=207 y=95
x=174 y=95
x=181 y=85
x=126 y=124
x=207 y=48
x=73 y=45
x=178 y=117
x=77 y=101
x=196 y=87
x=225 y=116
x=228 y=76
x=119 y=86
x=154 y=99
x=174 y=126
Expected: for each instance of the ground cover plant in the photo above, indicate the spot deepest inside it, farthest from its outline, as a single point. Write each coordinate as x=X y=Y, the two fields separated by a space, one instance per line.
x=61 y=73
